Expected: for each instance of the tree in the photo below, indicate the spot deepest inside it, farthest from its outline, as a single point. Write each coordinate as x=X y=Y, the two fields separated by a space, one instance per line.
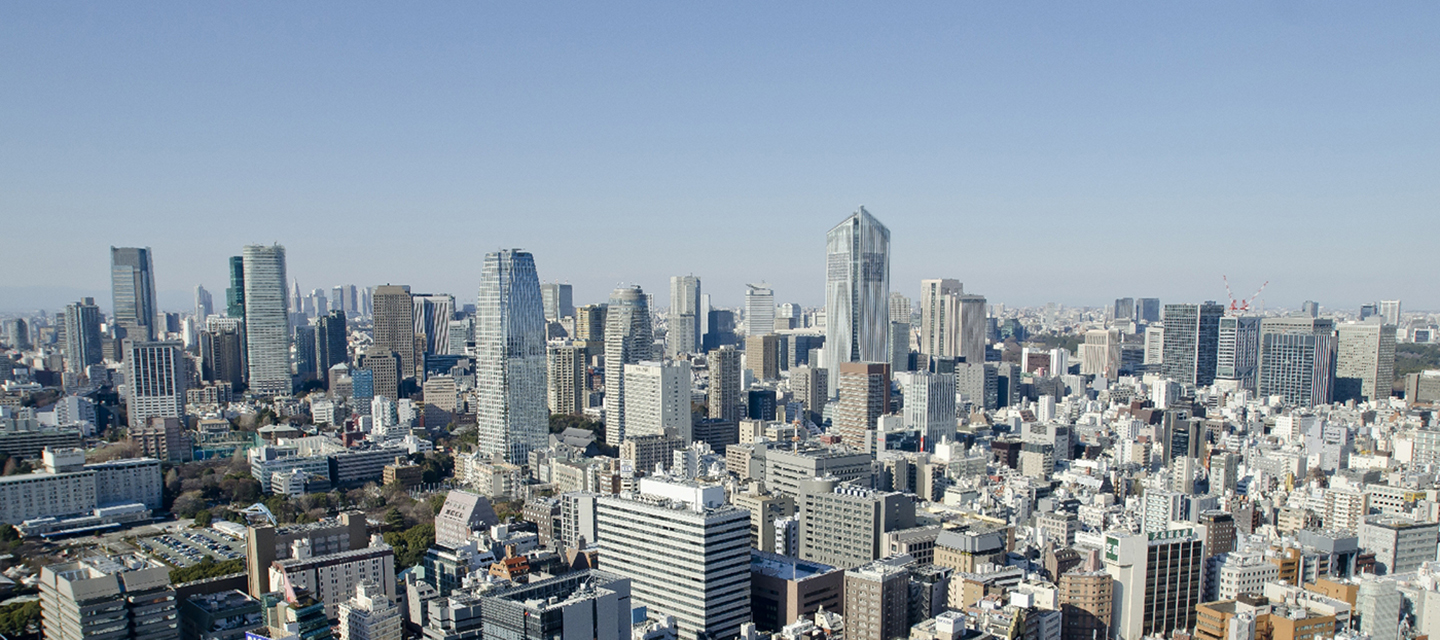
x=394 y=520
x=202 y=519
x=188 y=504
x=17 y=619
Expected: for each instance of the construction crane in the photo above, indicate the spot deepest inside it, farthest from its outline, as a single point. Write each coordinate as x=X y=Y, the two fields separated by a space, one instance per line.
x=258 y=510
x=1237 y=305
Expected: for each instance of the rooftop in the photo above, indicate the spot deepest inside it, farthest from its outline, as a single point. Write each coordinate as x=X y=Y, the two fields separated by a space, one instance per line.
x=785 y=567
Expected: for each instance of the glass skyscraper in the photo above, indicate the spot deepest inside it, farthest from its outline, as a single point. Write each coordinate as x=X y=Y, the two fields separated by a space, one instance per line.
x=267 y=319
x=628 y=340
x=512 y=415
x=132 y=283
x=857 y=293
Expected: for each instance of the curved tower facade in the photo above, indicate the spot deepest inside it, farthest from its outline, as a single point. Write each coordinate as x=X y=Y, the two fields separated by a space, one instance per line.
x=857 y=293
x=628 y=340
x=512 y=415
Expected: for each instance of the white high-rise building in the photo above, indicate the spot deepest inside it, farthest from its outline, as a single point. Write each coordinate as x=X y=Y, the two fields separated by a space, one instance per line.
x=154 y=381
x=857 y=293
x=628 y=340
x=512 y=414
x=759 y=310
x=685 y=333
x=1390 y=311
x=657 y=399
x=929 y=404
x=267 y=319
x=370 y=615
x=1154 y=344
x=940 y=317
x=1100 y=354
x=1238 y=354
x=685 y=551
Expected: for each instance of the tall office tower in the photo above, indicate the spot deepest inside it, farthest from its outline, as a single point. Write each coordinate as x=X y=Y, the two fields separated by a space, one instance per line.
x=204 y=304
x=974 y=326
x=857 y=292
x=877 y=601
x=680 y=336
x=267 y=319
x=940 y=317
x=1369 y=311
x=369 y=614
x=510 y=369
x=864 y=396
x=1390 y=311
x=702 y=317
x=900 y=307
x=1238 y=352
x=1124 y=309
x=1157 y=580
x=18 y=333
x=557 y=300
x=83 y=343
x=124 y=596
x=394 y=326
x=433 y=313
x=1364 y=361
x=759 y=310
x=762 y=356
x=317 y=303
x=686 y=553
x=1100 y=354
x=235 y=293
x=462 y=335
x=628 y=340
x=1192 y=340
x=1085 y=601
x=305 y=352
x=590 y=322
x=808 y=385
x=132 y=283
x=1297 y=360
x=929 y=404
x=154 y=381
x=566 y=380
x=899 y=354
x=332 y=341
x=724 y=389
x=685 y=321
x=297 y=303
x=1147 y=309
x=337 y=299
x=657 y=399
x=367 y=301
x=222 y=354
x=1310 y=308
x=1154 y=345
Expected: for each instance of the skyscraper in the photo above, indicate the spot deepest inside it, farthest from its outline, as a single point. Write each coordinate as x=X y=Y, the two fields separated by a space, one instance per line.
x=864 y=396
x=684 y=335
x=132 y=283
x=394 y=325
x=235 y=293
x=154 y=381
x=1390 y=311
x=512 y=416
x=565 y=381
x=857 y=292
x=1192 y=340
x=657 y=399
x=1124 y=309
x=104 y=596
x=433 y=313
x=204 y=304
x=900 y=307
x=1238 y=352
x=929 y=404
x=628 y=340
x=1364 y=361
x=267 y=319
x=1147 y=309
x=332 y=341
x=305 y=352
x=1297 y=359
x=557 y=300
x=759 y=310
x=82 y=335
x=724 y=389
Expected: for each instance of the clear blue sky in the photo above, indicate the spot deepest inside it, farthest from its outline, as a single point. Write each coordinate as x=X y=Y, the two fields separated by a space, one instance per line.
x=1044 y=151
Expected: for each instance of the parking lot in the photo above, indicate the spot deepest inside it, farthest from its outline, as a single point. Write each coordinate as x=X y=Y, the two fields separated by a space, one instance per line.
x=190 y=546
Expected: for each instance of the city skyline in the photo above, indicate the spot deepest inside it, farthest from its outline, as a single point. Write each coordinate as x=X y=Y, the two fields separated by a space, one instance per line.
x=1037 y=154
